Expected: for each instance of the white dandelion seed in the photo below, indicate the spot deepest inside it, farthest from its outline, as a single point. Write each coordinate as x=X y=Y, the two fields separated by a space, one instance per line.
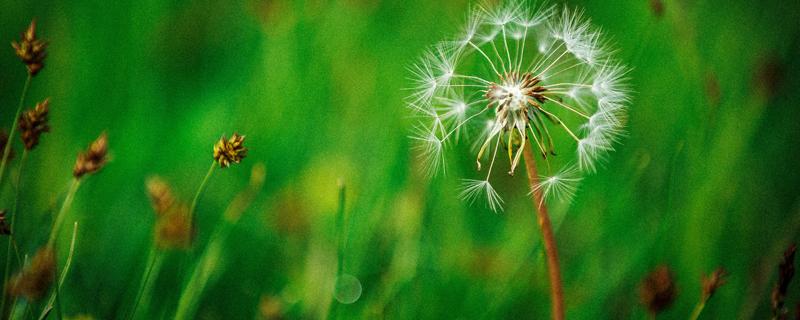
x=472 y=190
x=528 y=75
x=561 y=186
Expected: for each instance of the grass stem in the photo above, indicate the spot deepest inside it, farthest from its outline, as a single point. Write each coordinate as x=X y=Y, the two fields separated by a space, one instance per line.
x=11 y=227
x=7 y=149
x=200 y=191
x=153 y=264
x=73 y=188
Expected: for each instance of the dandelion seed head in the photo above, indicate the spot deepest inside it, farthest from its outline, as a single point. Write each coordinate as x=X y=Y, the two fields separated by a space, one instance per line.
x=525 y=74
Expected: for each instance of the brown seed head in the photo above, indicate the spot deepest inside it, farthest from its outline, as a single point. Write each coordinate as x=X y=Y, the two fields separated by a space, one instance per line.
x=30 y=50
x=161 y=197
x=714 y=281
x=33 y=122
x=93 y=159
x=230 y=151
x=785 y=274
x=5 y=227
x=657 y=7
x=271 y=308
x=657 y=290
x=174 y=229
x=34 y=281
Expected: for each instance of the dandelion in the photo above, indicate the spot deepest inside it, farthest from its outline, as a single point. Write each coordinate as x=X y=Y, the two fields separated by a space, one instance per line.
x=532 y=78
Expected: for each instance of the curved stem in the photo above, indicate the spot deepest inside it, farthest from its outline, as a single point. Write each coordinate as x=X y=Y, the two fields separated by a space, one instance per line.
x=64 y=208
x=698 y=309
x=153 y=263
x=549 y=239
x=13 y=130
x=11 y=227
x=200 y=191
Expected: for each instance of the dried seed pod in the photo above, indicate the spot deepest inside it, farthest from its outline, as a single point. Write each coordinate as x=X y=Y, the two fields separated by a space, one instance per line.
x=93 y=159
x=230 y=151
x=161 y=196
x=657 y=290
x=30 y=50
x=5 y=227
x=713 y=281
x=34 y=281
x=174 y=229
x=33 y=123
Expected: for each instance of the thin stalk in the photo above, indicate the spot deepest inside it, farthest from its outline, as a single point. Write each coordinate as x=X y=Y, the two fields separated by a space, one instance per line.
x=556 y=291
x=63 y=212
x=206 y=267
x=153 y=264
x=187 y=303
x=11 y=227
x=200 y=191
x=55 y=296
x=7 y=149
x=698 y=309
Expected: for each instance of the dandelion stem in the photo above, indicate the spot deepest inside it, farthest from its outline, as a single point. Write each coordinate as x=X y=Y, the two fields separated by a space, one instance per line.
x=556 y=291
x=64 y=208
x=200 y=191
x=153 y=264
x=7 y=149
x=11 y=227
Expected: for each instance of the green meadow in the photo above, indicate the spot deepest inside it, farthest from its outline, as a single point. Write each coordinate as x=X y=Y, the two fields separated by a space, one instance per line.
x=706 y=175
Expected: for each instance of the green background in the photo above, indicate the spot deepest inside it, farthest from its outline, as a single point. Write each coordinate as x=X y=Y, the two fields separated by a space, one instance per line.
x=707 y=175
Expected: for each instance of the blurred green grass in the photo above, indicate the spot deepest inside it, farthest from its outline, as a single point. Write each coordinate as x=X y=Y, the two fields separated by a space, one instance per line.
x=706 y=177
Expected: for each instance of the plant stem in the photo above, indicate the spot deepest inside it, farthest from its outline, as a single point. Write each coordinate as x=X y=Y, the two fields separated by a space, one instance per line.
x=7 y=149
x=11 y=227
x=153 y=263
x=200 y=191
x=207 y=265
x=64 y=208
x=203 y=270
x=698 y=309
x=55 y=296
x=543 y=219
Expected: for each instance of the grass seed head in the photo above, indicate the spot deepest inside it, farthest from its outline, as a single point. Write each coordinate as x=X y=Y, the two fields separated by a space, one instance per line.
x=174 y=229
x=5 y=227
x=35 y=280
x=228 y=151
x=93 y=159
x=31 y=50
x=657 y=291
x=714 y=281
x=785 y=274
x=33 y=122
